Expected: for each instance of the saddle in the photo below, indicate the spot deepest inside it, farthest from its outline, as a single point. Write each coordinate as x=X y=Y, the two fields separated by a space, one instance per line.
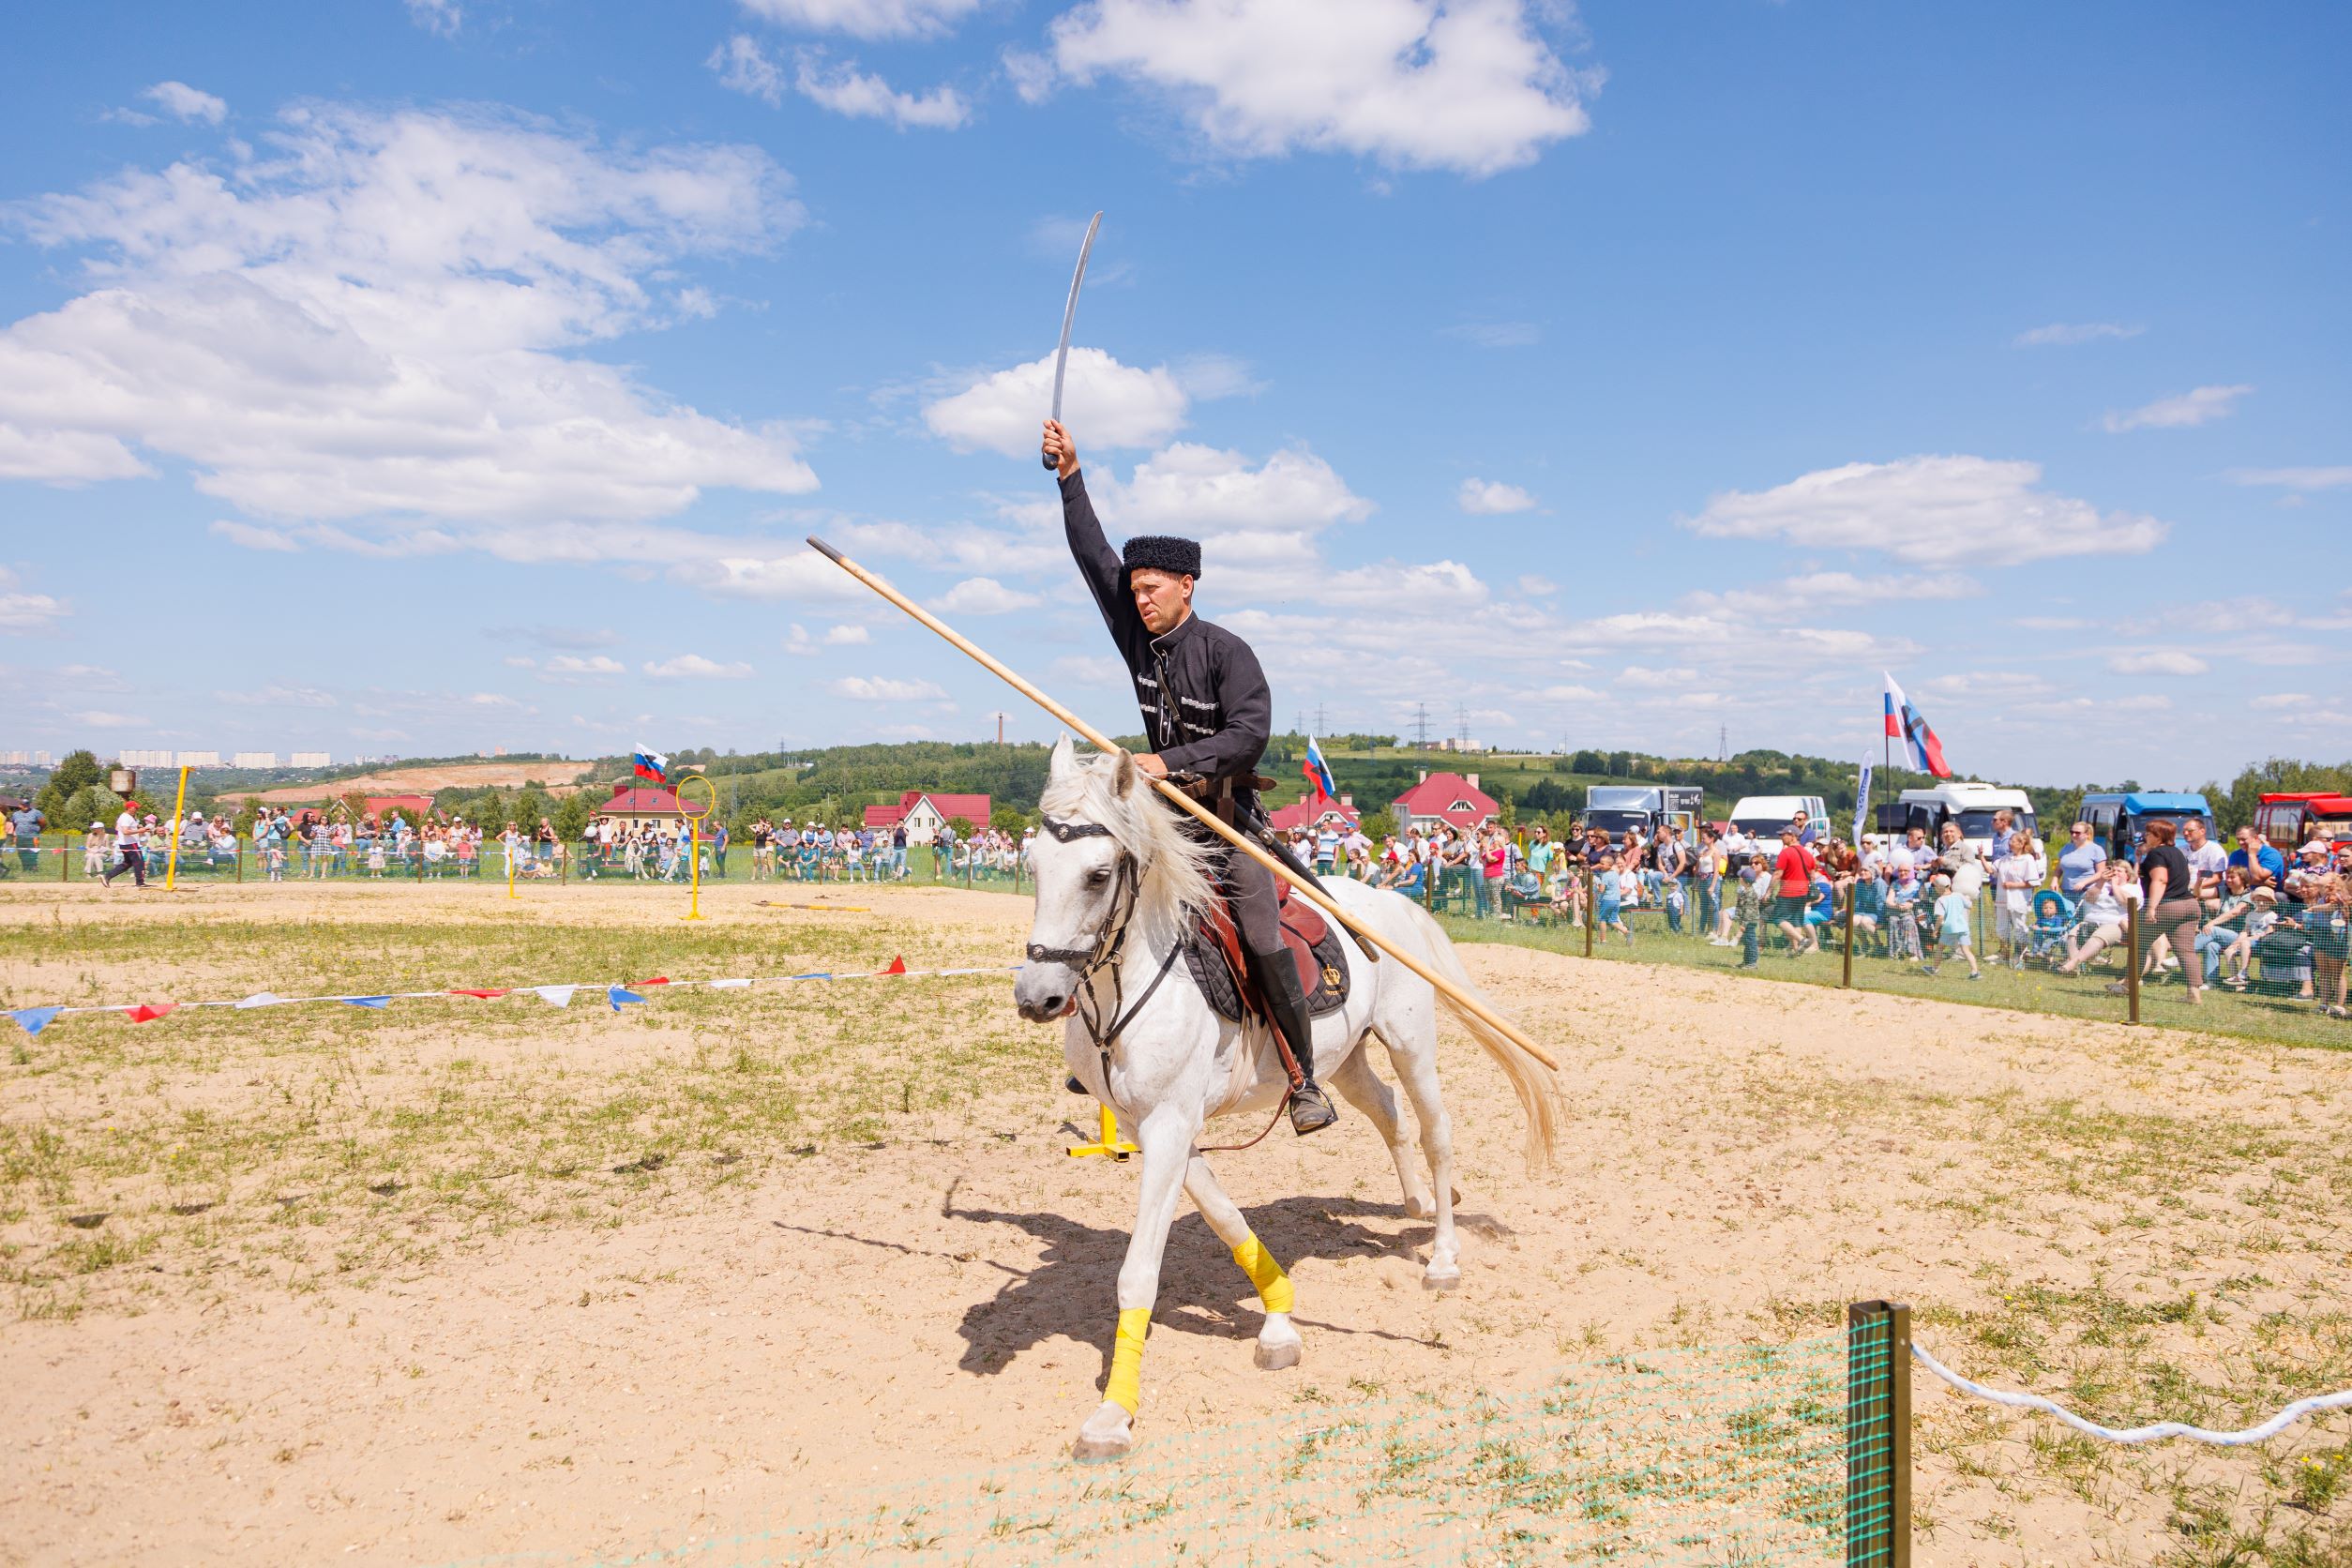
x=1213 y=953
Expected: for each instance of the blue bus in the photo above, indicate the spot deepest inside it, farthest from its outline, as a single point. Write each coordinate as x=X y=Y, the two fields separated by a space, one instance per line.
x=2118 y=818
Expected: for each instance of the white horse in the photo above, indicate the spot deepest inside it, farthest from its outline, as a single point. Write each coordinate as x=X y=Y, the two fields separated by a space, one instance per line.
x=1119 y=882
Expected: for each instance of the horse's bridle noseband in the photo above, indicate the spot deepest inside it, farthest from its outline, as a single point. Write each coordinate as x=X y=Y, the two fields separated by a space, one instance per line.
x=1106 y=945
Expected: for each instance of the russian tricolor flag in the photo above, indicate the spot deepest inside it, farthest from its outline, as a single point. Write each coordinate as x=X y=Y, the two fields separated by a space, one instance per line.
x=1319 y=772
x=653 y=766
x=1920 y=748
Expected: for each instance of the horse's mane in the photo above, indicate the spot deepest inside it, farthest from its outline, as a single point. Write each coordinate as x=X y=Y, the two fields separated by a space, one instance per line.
x=1176 y=884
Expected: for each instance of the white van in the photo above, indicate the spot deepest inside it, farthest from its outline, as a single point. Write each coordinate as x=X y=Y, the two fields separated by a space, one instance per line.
x=1970 y=805
x=1762 y=816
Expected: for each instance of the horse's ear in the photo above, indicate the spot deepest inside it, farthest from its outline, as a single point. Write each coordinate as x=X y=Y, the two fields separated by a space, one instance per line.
x=1065 y=758
x=1122 y=777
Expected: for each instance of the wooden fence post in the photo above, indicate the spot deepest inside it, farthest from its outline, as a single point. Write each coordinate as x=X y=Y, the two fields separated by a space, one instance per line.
x=1877 y=1435
x=2132 y=971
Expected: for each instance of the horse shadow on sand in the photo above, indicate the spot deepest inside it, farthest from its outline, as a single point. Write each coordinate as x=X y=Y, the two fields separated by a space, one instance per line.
x=1069 y=1292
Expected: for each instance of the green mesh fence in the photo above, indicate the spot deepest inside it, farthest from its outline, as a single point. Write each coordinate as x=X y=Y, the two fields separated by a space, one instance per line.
x=1737 y=1455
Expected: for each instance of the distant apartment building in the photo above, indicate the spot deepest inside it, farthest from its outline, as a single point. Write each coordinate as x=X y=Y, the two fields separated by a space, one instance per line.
x=136 y=759
x=257 y=759
x=26 y=759
x=310 y=760
x=197 y=758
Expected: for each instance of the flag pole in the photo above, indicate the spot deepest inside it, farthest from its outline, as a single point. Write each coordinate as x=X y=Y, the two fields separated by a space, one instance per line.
x=1373 y=943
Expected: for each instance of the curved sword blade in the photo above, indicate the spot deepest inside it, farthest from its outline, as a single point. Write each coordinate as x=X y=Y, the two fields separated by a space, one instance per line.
x=1069 y=314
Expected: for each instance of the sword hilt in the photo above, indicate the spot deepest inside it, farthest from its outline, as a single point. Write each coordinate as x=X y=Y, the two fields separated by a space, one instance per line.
x=1051 y=463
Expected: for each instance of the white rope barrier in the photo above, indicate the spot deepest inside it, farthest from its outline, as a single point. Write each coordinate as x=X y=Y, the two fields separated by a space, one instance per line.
x=2156 y=1433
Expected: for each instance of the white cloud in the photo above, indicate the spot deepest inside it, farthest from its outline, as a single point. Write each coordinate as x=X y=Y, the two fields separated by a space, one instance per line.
x=572 y=666
x=1107 y=404
x=861 y=95
x=100 y=719
x=1430 y=587
x=883 y=688
x=1492 y=497
x=1498 y=335
x=279 y=696
x=182 y=101
x=28 y=613
x=866 y=19
x=1467 y=85
x=743 y=68
x=1252 y=513
x=1536 y=586
x=2295 y=479
x=250 y=537
x=1206 y=377
x=694 y=667
x=2281 y=700
x=1795 y=597
x=2200 y=407
x=2158 y=662
x=441 y=18
x=1098 y=670
x=2069 y=334
x=1640 y=678
x=985 y=595
x=379 y=323
x=1932 y=510
x=846 y=637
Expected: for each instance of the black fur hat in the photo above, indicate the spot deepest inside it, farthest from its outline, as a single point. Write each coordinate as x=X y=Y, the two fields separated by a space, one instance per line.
x=1164 y=552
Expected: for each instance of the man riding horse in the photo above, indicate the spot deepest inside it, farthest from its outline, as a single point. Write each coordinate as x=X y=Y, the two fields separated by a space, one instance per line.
x=1207 y=713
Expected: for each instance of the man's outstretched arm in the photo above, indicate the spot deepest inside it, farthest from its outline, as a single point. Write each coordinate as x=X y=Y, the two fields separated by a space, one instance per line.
x=1097 y=562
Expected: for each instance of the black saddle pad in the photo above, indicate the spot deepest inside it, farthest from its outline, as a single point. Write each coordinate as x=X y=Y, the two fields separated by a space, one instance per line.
x=1222 y=986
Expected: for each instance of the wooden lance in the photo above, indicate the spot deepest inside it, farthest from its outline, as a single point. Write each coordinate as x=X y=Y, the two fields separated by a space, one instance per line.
x=1373 y=943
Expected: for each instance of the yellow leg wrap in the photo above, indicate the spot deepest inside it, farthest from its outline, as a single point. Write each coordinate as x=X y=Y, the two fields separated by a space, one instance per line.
x=1274 y=1286
x=1126 y=1387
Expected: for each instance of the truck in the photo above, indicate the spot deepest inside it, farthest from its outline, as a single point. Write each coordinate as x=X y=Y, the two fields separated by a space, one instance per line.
x=2290 y=821
x=1643 y=809
x=2118 y=818
x=1970 y=805
x=1763 y=816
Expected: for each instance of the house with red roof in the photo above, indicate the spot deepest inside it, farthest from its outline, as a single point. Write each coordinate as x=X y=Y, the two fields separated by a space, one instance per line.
x=636 y=803
x=1444 y=797
x=413 y=809
x=1314 y=812
x=922 y=812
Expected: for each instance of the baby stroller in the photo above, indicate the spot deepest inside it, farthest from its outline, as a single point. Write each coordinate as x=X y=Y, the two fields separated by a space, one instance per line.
x=2053 y=916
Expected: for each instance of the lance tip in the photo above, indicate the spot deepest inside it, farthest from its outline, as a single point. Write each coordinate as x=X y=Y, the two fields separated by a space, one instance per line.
x=825 y=549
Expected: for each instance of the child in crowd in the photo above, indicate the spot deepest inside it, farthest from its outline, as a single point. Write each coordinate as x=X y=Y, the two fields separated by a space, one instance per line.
x=1952 y=927
x=1749 y=911
x=1903 y=913
x=1609 y=893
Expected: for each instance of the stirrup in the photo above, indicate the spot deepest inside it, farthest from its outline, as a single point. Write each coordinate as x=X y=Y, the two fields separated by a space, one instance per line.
x=1310 y=1109
x=1074 y=1086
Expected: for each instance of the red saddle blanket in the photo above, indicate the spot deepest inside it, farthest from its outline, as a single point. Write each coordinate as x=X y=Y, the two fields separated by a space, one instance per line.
x=1223 y=975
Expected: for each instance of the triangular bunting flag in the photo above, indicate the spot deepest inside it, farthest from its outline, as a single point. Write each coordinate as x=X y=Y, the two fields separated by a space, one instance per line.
x=726 y=984
x=365 y=1001
x=812 y=976
x=898 y=966
x=260 y=998
x=555 y=995
x=35 y=1020
x=657 y=980
x=486 y=996
x=146 y=1012
x=617 y=995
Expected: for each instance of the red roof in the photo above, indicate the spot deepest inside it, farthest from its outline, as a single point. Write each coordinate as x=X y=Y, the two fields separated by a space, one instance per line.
x=1309 y=810
x=1448 y=795
x=884 y=816
x=630 y=800
x=416 y=806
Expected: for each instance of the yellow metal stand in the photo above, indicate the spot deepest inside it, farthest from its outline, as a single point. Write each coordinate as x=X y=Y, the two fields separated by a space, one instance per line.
x=510 y=871
x=179 y=809
x=694 y=838
x=1109 y=1143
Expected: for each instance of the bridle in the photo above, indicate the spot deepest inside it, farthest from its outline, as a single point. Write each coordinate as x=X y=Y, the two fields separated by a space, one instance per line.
x=1108 y=942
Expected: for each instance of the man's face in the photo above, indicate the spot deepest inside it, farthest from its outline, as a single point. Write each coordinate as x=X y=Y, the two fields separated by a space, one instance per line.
x=1916 y=836
x=1162 y=598
x=2193 y=831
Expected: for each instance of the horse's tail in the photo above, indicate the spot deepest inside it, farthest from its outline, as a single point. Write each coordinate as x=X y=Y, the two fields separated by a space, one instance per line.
x=1540 y=1097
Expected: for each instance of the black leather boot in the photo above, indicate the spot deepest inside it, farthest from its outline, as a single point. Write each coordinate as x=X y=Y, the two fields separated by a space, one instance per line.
x=1278 y=979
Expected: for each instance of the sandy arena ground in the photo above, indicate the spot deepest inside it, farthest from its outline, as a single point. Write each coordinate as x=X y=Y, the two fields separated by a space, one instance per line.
x=272 y=1366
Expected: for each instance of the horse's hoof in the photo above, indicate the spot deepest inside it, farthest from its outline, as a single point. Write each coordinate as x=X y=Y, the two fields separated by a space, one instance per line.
x=1418 y=1207
x=1442 y=1277
x=1278 y=1346
x=1108 y=1434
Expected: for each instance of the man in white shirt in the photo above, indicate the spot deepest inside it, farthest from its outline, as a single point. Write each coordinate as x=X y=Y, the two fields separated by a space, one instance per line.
x=2207 y=860
x=130 y=852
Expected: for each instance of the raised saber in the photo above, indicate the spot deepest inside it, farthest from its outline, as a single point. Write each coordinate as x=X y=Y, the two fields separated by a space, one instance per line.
x=1371 y=940
x=1069 y=314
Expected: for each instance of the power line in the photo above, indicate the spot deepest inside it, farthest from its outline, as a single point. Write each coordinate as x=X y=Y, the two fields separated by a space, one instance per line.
x=1421 y=726
x=1322 y=725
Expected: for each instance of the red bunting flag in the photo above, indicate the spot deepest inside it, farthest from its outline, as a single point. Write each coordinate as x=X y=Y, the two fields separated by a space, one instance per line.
x=147 y=1011
x=657 y=980
x=898 y=966
x=486 y=996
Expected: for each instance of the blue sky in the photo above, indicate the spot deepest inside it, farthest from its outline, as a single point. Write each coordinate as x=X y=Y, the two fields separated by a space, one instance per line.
x=421 y=377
